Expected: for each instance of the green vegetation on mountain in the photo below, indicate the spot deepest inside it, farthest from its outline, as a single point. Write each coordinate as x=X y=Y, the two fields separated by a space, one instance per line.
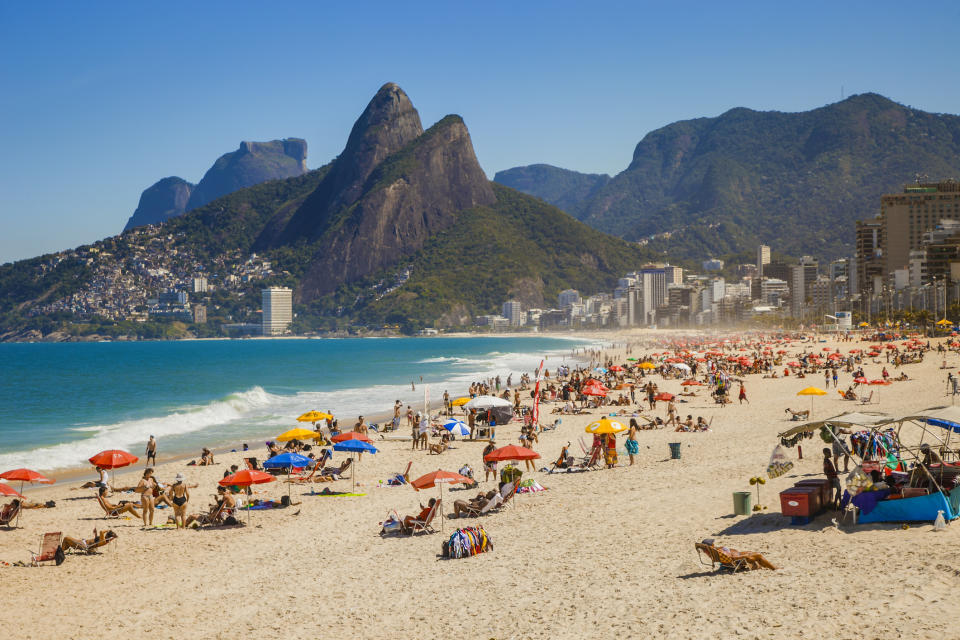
x=795 y=181
x=561 y=187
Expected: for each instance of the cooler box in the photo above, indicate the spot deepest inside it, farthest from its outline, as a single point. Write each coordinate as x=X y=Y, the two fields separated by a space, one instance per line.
x=800 y=501
x=825 y=491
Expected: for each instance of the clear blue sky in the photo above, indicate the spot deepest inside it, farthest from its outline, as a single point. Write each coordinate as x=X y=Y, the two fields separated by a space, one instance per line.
x=99 y=100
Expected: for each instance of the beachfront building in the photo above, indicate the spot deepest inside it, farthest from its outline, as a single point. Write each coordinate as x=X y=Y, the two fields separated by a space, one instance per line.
x=802 y=277
x=773 y=291
x=763 y=258
x=869 y=255
x=513 y=312
x=567 y=298
x=277 y=310
x=905 y=218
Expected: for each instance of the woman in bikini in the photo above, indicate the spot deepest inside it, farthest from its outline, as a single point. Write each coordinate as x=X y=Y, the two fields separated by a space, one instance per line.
x=115 y=510
x=146 y=487
x=180 y=496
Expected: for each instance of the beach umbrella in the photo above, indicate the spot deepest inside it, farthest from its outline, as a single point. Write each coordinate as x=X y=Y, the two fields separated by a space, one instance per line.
x=647 y=365
x=354 y=446
x=691 y=383
x=245 y=478
x=457 y=427
x=439 y=478
x=487 y=402
x=296 y=433
x=288 y=460
x=811 y=391
x=7 y=490
x=459 y=402
x=616 y=367
x=25 y=475
x=663 y=396
x=350 y=435
x=113 y=459
x=314 y=416
x=511 y=452
x=605 y=425
x=593 y=390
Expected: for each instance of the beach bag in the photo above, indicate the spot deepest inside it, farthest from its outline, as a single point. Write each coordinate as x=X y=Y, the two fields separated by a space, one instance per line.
x=59 y=556
x=826 y=436
x=940 y=524
x=778 y=464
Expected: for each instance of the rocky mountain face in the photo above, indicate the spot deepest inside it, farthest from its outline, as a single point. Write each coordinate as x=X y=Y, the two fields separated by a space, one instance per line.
x=560 y=187
x=161 y=201
x=392 y=188
x=252 y=163
x=795 y=181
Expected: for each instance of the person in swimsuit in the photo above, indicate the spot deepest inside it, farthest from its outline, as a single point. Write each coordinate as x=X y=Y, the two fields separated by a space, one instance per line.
x=151 y=451
x=82 y=544
x=180 y=496
x=115 y=510
x=216 y=514
x=146 y=487
x=633 y=447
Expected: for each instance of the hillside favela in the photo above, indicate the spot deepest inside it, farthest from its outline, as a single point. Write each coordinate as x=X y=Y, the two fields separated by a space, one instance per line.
x=479 y=322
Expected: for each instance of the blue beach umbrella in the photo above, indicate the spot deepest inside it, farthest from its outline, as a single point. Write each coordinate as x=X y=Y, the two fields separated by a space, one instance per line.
x=354 y=446
x=457 y=427
x=288 y=461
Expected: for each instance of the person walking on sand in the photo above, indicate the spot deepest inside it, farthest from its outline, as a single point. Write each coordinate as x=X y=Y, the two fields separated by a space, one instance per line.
x=151 y=450
x=489 y=467
x=671 y=413
x=743 y=394
x=633 y=447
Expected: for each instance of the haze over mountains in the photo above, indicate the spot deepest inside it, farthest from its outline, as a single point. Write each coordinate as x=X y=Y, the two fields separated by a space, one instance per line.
x=252 y=163
x=795 y=181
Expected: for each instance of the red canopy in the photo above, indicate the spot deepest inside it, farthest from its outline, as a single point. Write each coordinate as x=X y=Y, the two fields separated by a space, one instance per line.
x=7 y=490
x=439 y=477
x=593 y=390
x=113 y=459
x=350 y=435
x=247 y=477
x=511 y=452
x=26 y=475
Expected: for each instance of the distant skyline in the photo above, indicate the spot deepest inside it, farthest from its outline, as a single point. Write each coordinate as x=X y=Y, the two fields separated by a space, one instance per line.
x=101 y=100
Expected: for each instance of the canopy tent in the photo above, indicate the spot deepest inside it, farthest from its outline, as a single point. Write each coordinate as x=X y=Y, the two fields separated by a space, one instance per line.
x=482 y=403
x=848 y=419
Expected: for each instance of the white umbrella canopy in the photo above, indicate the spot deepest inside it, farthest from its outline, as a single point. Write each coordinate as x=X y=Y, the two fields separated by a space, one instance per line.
x=487 y=402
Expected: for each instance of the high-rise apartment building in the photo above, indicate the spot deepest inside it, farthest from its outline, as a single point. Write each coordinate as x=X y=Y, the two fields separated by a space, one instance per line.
x=763 y=258
x=567 y=298
x=277 y=310
x=513 y=311
x=906 y=216
x=869 y=254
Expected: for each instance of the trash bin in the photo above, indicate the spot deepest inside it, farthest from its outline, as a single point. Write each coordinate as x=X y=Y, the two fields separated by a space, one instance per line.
x=674 y=450
x=741 y=503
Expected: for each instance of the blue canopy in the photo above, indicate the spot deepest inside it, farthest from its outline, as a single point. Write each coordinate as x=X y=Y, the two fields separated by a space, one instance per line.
x=287 y=460
x=355 y=446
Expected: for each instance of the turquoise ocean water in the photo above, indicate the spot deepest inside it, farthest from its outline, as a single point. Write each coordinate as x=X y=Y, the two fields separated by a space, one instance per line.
x=62 y=403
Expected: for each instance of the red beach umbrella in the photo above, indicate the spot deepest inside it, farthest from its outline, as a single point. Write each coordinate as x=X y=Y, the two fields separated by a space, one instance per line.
x=616 y=367
x=113 y=459
x=511 y=452
x=594 y=390
x=7 y=490
x=439 y=478
x=664 y=396
x=691 y=383
x=245 y=478
x=350 y=435
x=25 y=475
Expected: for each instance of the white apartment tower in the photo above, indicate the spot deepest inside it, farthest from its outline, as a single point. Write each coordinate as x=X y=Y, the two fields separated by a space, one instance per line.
x=763 y=257
x=513 y=311
x=277 y=310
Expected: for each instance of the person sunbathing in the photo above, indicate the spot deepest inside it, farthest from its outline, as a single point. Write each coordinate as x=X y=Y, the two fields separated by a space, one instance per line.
x=754 y=559
x=217 y=512
x=422 y=516
x=82 y=544
x=476 y=504
x=329 y=474
x=115 y=510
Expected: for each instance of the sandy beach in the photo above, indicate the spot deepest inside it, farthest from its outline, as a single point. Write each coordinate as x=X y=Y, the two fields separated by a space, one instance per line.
x=599 y=554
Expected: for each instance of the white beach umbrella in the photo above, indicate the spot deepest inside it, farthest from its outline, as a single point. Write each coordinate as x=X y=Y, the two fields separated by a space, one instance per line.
x=487 y=402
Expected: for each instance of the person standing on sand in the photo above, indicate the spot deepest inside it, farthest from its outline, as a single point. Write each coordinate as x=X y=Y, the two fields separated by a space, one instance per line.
x=180 y=496
x=446 y=401
x=743 y=394
x=633 y=447
x=145 y=488
x=830 y=471
x=151 y=451
x=489 y=467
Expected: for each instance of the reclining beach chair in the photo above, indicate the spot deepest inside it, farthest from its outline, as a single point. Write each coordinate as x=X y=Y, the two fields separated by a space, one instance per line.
x=90 y=547
x=300 y=479
x=48 y=549
x=9 y=512
x=507 y=492
x=867 y=399
x=730 y=559
x=417 y=526
x=492 y=504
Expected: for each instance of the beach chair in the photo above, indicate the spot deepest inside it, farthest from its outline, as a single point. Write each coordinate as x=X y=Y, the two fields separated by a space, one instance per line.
x=507 y=492
x=300 y=479
x=728 y=559
x=417 y=526
x=867 y=399
x=90 y=547
x=492 y=504
x=49 y=545
x=9 y=512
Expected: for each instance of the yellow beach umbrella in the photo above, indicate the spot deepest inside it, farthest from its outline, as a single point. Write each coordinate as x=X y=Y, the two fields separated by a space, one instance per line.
x=647 y=365
x=811 y=391
x=944 y=322
x=605 y=425
x=864 y=324
x=459 y=402
x=296 y=434
x=314 y=416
